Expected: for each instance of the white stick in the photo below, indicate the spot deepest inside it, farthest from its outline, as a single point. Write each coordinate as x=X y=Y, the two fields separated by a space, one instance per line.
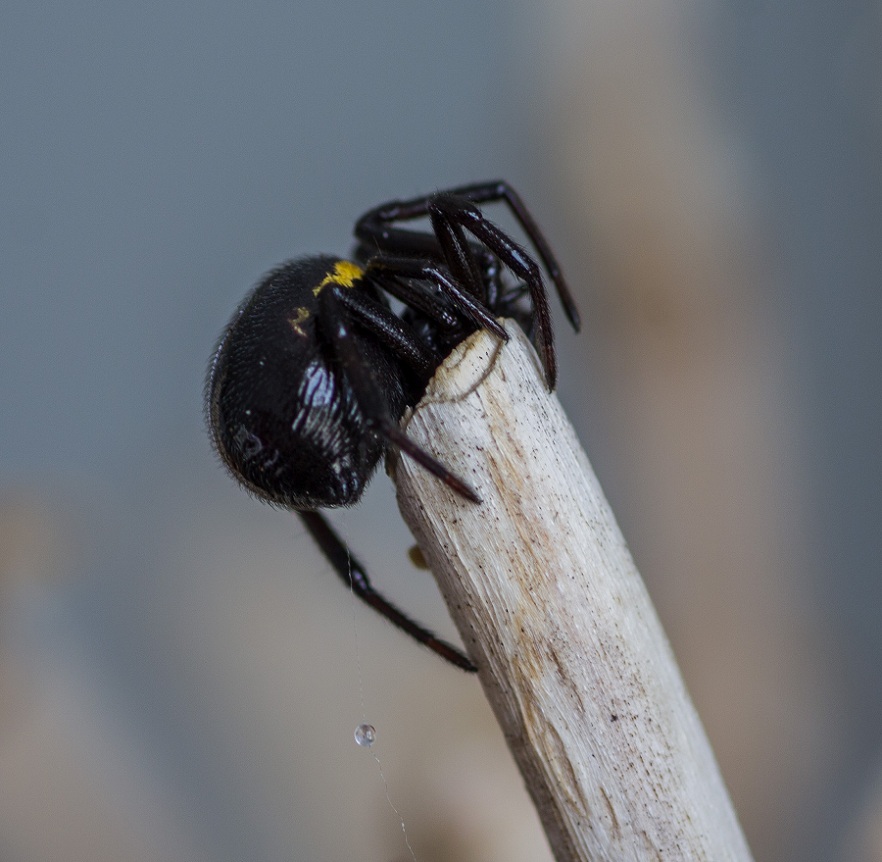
x=551 y=608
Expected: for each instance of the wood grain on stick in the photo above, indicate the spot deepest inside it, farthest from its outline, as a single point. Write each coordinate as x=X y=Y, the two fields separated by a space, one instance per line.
x=553 y=611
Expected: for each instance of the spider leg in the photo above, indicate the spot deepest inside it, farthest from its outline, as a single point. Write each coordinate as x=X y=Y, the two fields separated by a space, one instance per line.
x=427 y=302
x=378 y=237
x=472 y=308
x=458 y=210
x=384 y=325
x=459 y=254
x=499 y=191
x=353 y=575
x=375 y=229
x=338 y=307
x=376 y=232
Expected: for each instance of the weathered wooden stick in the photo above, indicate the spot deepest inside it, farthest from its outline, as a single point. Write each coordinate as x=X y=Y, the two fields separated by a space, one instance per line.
x=553 y=611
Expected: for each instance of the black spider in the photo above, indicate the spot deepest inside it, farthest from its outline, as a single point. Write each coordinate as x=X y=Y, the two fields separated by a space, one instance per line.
x=313 y=373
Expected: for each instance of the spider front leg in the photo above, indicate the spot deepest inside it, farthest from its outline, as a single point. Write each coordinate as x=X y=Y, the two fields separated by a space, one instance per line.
x=449 y=215
x=499 y=191
x=375 y=230
x=447 y=243
x=381 y=266
x=354 y=576
x=338 y=306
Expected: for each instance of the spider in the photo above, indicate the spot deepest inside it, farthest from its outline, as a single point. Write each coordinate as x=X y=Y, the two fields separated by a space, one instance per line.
x=311 y=376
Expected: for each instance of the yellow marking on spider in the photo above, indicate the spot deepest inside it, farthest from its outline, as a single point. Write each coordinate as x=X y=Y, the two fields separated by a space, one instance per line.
x=343 y=275
x=302 y=315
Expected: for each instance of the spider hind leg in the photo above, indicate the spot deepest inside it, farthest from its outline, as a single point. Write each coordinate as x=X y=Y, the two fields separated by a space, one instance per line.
x=353 y=574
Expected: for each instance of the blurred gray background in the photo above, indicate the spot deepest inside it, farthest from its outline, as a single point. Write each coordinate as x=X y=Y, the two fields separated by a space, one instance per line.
x=180 y=673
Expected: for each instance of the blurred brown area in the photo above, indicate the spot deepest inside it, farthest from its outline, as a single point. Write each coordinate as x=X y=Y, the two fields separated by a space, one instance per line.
x=697 y=402
x=863 y=839
x=52 y=804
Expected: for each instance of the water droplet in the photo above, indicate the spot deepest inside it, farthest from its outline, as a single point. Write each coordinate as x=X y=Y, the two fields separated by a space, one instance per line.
x=365 y=735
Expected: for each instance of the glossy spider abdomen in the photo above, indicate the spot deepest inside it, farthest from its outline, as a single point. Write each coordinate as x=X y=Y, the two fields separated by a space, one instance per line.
x=284 y=416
